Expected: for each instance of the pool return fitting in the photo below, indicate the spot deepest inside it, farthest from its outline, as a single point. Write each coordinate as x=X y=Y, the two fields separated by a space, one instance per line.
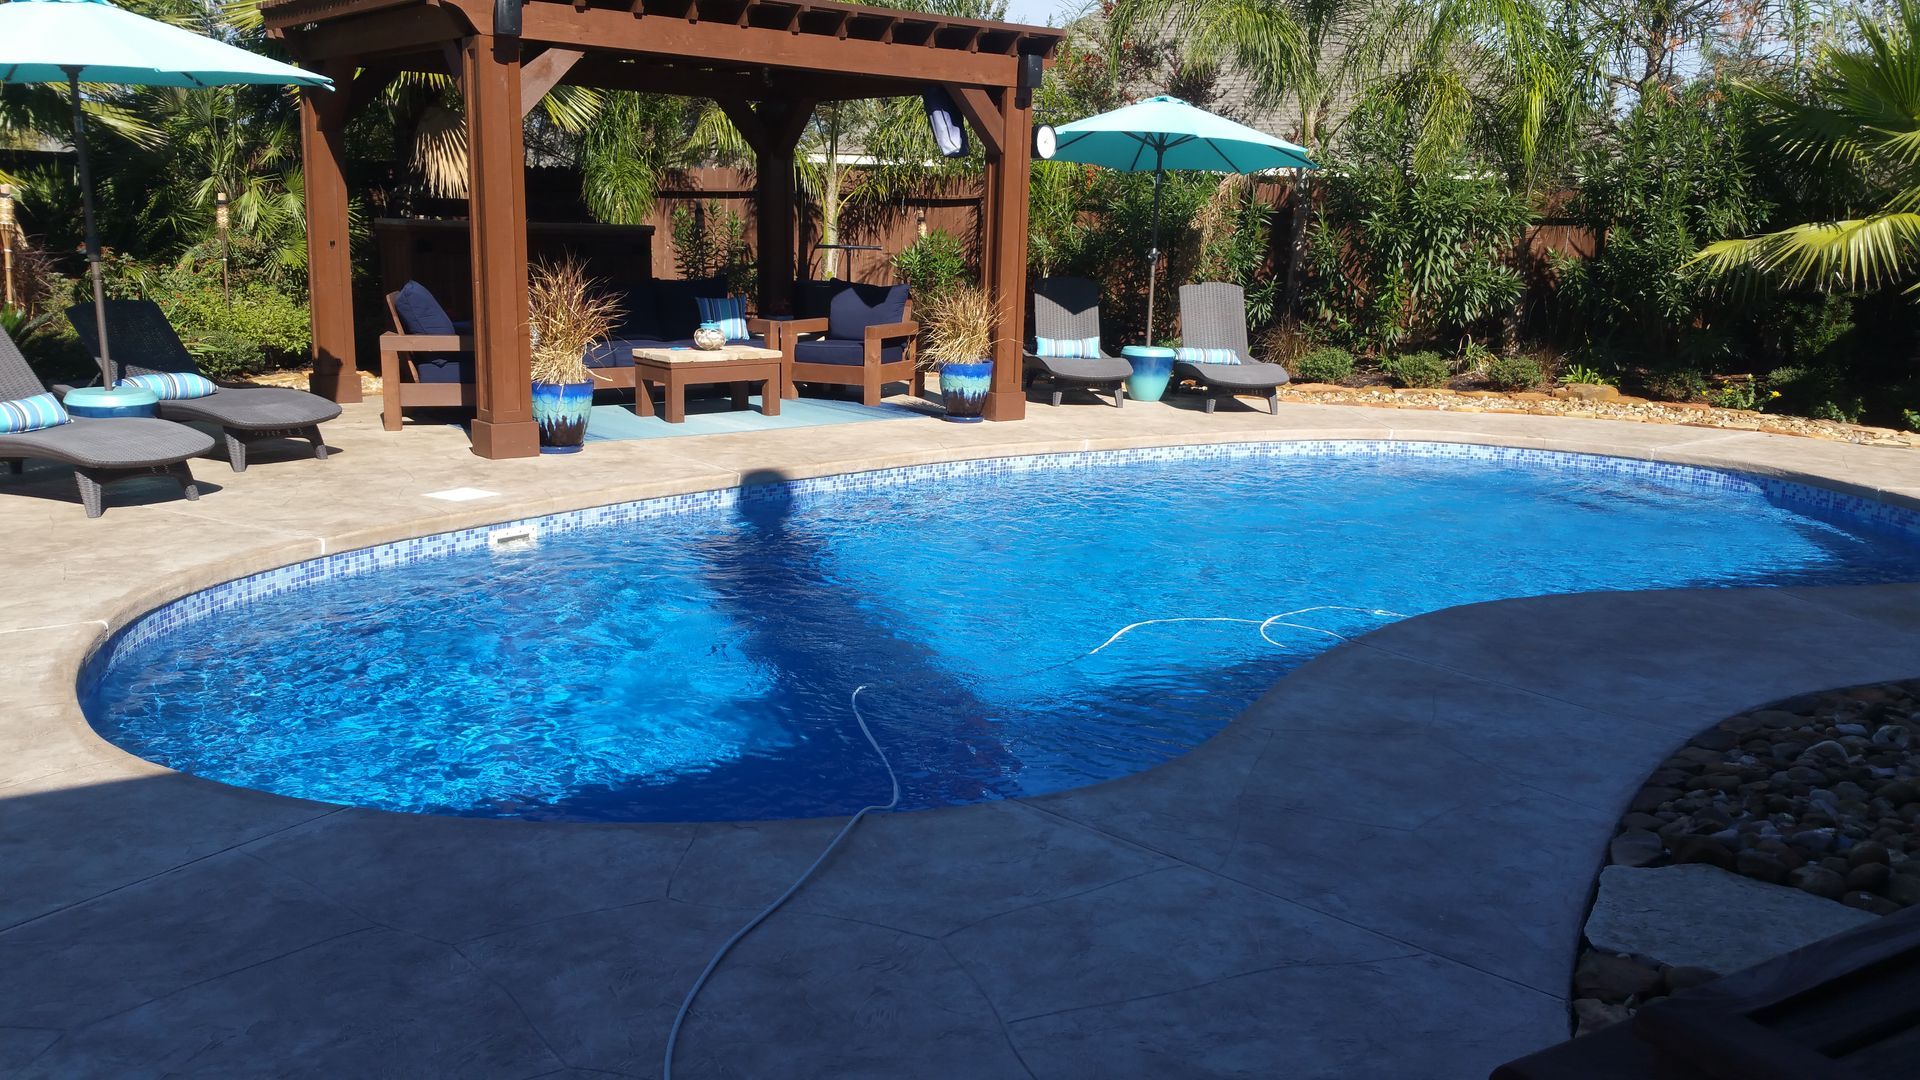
x=893 y=778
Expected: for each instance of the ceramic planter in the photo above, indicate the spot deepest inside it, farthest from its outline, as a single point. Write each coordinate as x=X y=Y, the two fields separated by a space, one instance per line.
x=963 y=387
x=561 y=410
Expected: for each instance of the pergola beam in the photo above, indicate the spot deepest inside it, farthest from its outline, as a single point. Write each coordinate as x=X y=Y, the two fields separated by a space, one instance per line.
x=539 y=75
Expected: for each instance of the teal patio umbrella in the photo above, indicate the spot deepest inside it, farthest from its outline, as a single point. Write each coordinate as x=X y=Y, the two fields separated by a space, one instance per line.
x=1164 y=133
x=91 y=41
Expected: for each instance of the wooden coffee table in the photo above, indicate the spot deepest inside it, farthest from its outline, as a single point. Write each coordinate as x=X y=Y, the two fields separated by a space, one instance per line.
x=676 y=369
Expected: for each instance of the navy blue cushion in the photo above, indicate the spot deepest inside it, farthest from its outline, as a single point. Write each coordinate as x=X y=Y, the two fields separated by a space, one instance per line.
x=857 y=307
x=445 y=368
x=676 y=308
x=812 y=299
x=637 y=318
x=419 y=312
x=832 y=351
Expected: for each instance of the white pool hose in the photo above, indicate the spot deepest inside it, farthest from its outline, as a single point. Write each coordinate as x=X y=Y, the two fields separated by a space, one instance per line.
x=679 y=1018
x=686 y=1004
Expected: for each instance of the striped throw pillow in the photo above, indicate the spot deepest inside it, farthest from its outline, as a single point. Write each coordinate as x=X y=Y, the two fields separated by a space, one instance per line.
x=729 y=312
x=31 y=414
x=1206 y=356
x=1086 y=348
x=170 y=385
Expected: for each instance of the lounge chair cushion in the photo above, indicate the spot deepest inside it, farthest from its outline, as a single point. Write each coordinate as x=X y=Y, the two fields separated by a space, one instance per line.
x=172 y=385
x=729 y=313
x=257 y=408
x=35 y=413
x=1206 y=356
x=419 y=312
x=857 y=307
x=1071 y=348
x=850 y=353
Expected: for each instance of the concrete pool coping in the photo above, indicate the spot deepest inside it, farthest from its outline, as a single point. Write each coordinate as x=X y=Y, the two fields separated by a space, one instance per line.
x=1379 y=868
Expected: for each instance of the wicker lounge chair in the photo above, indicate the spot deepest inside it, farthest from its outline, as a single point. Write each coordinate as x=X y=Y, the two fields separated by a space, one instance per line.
x=100 y=451
x=1213 y=315
x=243 y=414
x=1069 y=308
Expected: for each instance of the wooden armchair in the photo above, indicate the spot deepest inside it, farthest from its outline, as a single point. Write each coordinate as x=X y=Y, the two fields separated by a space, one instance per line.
x=888 y=352
x=400 y=383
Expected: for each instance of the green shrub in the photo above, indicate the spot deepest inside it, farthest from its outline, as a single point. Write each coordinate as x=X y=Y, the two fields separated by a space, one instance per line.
x=1674 y=384
x=1418 y=370
x=1736 y=394
x=1819 y=393
x=265 y=328
x=1514 y=373
x=1574 y=374
x=931 y=265
x=1324 y=365
x=1910 y=418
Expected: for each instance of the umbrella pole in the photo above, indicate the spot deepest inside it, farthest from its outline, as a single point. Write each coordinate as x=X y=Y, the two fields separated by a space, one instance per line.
x=93 y=234
x=1153 y=252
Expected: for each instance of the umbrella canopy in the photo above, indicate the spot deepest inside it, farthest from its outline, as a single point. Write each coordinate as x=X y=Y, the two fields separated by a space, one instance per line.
x=47 y=40
x=1167 y=133
x=1164 y=133
x=76 y=41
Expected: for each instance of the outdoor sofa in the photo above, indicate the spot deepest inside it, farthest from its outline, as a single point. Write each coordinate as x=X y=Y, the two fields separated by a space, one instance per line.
x=100 y=451
x=244 y=414
x=1214 y=353
x=428 y=356
x=1066 y=320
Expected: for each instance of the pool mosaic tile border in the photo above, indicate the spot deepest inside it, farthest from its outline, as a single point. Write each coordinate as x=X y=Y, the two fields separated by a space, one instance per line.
x=239 y=593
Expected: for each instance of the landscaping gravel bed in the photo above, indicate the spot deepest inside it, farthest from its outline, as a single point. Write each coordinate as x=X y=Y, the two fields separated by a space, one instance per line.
x=1819 y=793
x=1599 y=402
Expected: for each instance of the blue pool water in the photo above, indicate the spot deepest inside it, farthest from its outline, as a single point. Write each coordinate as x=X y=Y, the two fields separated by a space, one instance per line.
x=697 y=666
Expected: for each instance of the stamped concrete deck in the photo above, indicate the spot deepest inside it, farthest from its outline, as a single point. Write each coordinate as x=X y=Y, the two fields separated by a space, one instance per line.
x=1378 y=870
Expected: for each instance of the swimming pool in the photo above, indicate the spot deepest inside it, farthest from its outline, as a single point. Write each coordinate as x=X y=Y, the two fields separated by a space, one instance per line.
x=692 y=658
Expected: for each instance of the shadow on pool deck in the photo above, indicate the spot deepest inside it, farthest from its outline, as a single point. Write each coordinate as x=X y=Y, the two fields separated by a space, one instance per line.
x=1378 y=870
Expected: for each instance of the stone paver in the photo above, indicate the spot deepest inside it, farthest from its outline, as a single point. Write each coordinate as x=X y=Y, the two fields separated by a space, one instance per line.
x=1694 y=915
x=1379 y=869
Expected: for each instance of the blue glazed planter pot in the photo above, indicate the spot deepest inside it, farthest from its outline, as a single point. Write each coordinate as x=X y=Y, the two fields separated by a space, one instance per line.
x=561 y=410
x=963 y=387
x=1152 y=368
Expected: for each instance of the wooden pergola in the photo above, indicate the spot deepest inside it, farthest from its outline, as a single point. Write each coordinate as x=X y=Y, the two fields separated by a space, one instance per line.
x=767 y=62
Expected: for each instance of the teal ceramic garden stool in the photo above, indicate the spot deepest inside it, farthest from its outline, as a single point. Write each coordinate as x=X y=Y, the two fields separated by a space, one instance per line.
x=1152 y=367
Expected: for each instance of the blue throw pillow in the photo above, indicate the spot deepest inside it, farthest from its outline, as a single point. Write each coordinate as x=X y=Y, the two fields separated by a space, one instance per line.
x=172 y=386
x=857 y=307
x=1207 y=356
x=727 y=312
x=1087 y=348
x=419 y=312
x=32 y=414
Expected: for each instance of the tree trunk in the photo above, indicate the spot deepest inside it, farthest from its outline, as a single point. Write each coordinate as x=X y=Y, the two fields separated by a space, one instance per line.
x=1297 y=223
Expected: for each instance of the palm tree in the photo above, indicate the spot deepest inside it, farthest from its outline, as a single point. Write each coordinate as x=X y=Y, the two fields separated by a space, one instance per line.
x=1860 y=124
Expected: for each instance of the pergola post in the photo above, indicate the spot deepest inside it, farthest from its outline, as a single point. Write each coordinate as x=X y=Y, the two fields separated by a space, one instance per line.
x=323 y=124
x=1006 y=264
x=773 y=130
x=496 y=193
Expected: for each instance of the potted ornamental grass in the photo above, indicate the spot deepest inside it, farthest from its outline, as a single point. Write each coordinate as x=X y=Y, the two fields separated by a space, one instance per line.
x=567 y=315
x=957 y=331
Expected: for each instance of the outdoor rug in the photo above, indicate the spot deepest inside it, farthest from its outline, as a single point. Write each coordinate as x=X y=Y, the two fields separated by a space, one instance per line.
x=714 y=416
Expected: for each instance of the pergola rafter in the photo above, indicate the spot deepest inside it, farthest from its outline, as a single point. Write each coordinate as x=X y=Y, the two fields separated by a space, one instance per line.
x=767 y=62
